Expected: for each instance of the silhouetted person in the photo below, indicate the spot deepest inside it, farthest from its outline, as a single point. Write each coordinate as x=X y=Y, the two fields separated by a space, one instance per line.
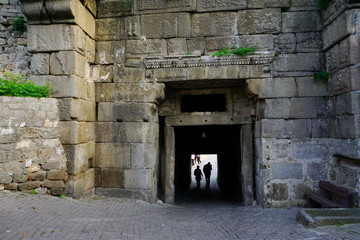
x=198 y=158
x=198 y=175
x=207 y=171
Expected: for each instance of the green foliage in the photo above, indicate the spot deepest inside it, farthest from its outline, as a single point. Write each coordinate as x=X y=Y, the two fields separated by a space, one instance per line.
x=16 y=85
x=340 y=224
x=19 y=24
x=187 y=53
x=63 y=195
x=33 y=191
x=322 y=76
x=240 y=51
x=323 y=3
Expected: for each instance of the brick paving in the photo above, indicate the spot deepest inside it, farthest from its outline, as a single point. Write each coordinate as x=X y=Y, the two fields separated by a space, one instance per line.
x=27 y=216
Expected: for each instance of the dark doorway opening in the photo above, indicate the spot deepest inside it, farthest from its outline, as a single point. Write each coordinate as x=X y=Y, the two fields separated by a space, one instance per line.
x=222 y=141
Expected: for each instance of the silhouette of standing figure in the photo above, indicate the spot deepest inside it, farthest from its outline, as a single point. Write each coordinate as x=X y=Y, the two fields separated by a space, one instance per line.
x=198 y=175
x=207 y=171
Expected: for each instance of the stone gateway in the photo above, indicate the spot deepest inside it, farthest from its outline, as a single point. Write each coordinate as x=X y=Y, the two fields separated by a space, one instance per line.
x=138 y=92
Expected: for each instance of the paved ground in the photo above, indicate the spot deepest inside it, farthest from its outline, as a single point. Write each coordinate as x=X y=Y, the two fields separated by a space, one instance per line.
x=26 y=216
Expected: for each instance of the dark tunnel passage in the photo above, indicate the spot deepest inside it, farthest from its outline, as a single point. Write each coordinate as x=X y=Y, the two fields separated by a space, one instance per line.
x=224 y=141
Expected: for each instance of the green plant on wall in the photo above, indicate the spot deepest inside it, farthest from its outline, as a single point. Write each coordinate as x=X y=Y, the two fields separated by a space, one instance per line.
x=240 y=51
x=322 y=76
x=16 y=85
x=19 y=24
x=323 y=3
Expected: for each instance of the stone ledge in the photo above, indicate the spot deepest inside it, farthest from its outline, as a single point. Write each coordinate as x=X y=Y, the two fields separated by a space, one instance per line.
x=184 y=61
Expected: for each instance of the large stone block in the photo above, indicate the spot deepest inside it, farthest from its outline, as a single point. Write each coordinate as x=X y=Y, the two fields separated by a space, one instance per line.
x=143 y=92
x=298 y=62
x=138 y=178
x=285 y=43
x=183 y=25
x=348 y=103
x=299 y=128
x=107 y=131
x=309 y=42
x=57 y=175
x=138 y=132
x=143 y=155
x=127 y=112
x=111 y=177
x=277 y=108
x=195 y=46
x=72 y=132
x=259 y=41
x=72 y=11
x=112 y=155
x=214 y=24
x=55 y=37
x=345 y=80
x=349 y=126
x=76 y=109
x=109 y=29
x=260 y=21
x=310 y=149
x=214 y=5
x=115 y=8
x=165 y=25
x=217 y=43
x=268 y=3
x=270 y=128
x=345 y=25
x=287 y=170
x=176 y=46
x=349 y=51
x=303 y=108
x=40 y=64
x=279 y=192
x=64 y=86
x=273 y=149
x=272 y=88
x=332 y=59
x=67 y=63
x=319 y=128
x=89 y=179
x=154 y=6
x=316 y=170
x=128 y=75
x=78 y=157
x=110 y=52
x=102 y=73
x=308 y=87
x=149 y=47
x=301 y=21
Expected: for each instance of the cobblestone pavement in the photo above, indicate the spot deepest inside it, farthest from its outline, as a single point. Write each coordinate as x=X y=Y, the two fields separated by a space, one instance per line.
x=26 y=216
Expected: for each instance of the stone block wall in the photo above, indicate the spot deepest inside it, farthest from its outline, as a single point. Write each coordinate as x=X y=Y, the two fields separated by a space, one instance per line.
x=341 y=46
x=61 y=39
x=290 y=120
x=31 y=154
x=13 y=44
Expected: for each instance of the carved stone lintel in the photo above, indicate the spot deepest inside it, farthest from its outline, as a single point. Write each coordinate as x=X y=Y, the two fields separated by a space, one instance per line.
x=201 y=61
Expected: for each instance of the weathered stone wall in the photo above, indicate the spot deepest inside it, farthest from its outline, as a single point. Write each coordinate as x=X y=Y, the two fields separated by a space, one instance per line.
x=31 y=155
x=290 y=150
x=13 y=51
x=61 y=39
x=341 y=46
